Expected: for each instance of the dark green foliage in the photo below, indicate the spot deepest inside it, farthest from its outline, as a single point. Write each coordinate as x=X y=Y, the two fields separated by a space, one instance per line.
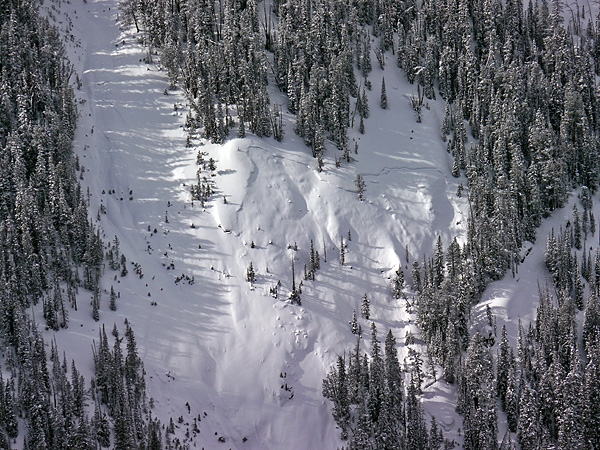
x=154 y=435
x=46 y=239
x=576 y=228
x=217 y=56
x=42 y=211
x=354 y=323
x=315 y=261
x=416 y=430
x=360 y=186
x=398 y=283
x=295 y=298
x=383 y=100
x=503 y=367
x=554 y=400
x=476 y=401
x=591 y=400
x=113 y=299
x=335 y=388
x=369 y=393
x=203 y=189
x=516 y=79
x=365 y=307
x=101 y=427
x=250 y=274
x=124 y=270
x=416 y=276
x=120 y=381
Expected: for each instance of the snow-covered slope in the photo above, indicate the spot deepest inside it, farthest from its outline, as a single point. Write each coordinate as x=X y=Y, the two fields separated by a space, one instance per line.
x=248 y=364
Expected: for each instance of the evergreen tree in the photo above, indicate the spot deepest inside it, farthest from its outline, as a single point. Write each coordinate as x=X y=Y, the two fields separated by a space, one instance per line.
x=591 y=400
x=250 y=274
x=335 y=388
x=354 y=323
x=398 y=283
x=376 y=378
x=576 y=228
x=365 y=105
x=365 y=307
x=360 y=186
x=113 y=299
x=416 y=429
x=416 y=275
x=503 y=368
x=571 y=418
x=476 y=402
x=591 y=324
x=438 y=263
x=96 y=307
x=383 y=100
x=393 y=409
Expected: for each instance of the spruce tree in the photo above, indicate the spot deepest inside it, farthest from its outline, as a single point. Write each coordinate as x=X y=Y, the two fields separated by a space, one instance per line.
x=383 y=100
x=360 y=186
x=398 y=283
x=354 y=323
x=250 y=274
x=113 y=299
x=365 y=307
x=576 y=228
x=335 y=388
x=376 y=378
x=592 y=399
x=503 y=368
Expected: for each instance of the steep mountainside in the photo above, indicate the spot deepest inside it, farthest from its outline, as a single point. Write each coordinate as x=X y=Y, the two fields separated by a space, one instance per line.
x=219 y=343
x=311 y=224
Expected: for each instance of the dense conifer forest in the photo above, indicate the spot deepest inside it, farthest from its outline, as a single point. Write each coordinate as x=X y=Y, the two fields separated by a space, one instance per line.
x=49 y=250
x=521 y=121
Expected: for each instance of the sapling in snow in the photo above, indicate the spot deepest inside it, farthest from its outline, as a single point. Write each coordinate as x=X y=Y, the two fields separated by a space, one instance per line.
x=360 y=186
x=365 y=308
x=354 y=323
x=250 y=274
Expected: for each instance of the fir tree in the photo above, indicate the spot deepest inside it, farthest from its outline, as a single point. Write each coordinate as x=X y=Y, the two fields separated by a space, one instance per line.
x=360 y=186
x=576 y=228
x=365 y=105
x=113 y=299
x=416 y=276
x=96 y=307
x=335 y=388
x=398 y=283
x=250 y=274
x=124 y=270
x=503 y=368
x=354 y=323
x=365 y=307
x=295 y=294
x=383 y=100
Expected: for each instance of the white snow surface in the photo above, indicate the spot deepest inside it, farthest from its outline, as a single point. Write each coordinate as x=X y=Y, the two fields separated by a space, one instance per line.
x=220 y=344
